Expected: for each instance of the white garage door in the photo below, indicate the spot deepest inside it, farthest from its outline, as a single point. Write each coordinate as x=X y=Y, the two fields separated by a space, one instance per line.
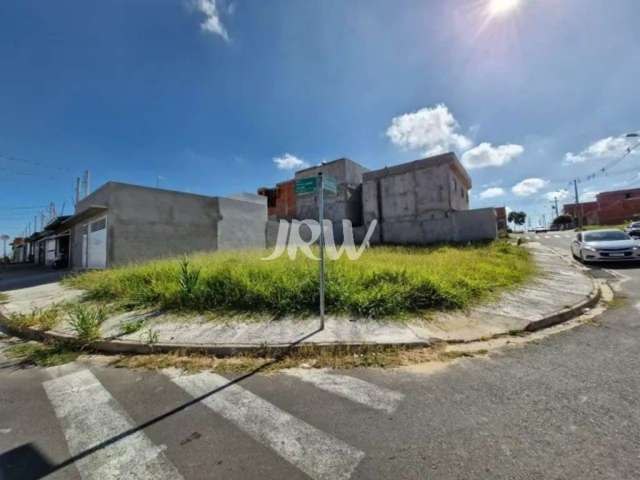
x=50 y=252
x=97 y=244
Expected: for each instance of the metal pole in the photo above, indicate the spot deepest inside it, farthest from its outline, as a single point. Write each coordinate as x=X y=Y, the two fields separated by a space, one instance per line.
x=575 y=187
x=321 y=219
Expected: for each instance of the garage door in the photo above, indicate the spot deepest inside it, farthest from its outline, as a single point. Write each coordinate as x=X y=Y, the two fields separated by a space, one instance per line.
x=97 y=244
x=50 y=252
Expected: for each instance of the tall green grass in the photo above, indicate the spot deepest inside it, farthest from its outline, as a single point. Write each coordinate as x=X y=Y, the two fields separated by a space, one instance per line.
x=385 y=281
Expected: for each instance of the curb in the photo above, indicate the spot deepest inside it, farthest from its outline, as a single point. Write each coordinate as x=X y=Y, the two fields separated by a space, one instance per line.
x=114 y=346
x=567 y=313
x=221 y=351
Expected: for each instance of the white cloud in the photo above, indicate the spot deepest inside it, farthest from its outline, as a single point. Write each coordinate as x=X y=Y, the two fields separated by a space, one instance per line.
x=289 y=162
x=212 y=22
x=559 y=194
x=486 y=155
x=529 y=186
x=610 y=147
x=432 y=129
x=492 y=192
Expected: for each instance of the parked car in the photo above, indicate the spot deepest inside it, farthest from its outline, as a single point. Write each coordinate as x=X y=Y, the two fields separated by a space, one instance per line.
x=633 y=230
x=605 y=246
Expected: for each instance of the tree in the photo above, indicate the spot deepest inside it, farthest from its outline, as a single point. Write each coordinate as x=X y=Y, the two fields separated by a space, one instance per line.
x=563 y=221
x=517 y=217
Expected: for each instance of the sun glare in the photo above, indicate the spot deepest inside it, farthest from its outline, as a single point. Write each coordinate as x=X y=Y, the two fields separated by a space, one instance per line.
x=502 y=7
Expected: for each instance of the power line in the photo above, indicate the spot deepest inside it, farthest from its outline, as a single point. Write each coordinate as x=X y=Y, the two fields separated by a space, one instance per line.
x=13 y=158
x=35 y=207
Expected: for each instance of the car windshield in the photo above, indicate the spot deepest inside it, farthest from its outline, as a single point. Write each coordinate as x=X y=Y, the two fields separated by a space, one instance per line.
x=635 y=225
x=605 y=236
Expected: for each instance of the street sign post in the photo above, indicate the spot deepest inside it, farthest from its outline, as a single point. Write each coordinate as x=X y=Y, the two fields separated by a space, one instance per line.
x=320 y=184
x=321 y=219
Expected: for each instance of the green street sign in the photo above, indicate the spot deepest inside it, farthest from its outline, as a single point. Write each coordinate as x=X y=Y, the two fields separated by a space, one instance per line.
x=330 y=184
x=305 y=185
x=310 y=185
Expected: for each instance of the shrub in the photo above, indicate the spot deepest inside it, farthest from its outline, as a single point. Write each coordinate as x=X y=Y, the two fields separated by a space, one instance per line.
x=38 y=318
x=85 y=322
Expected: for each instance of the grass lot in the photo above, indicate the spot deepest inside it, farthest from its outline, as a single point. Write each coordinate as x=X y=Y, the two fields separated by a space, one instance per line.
x=385 y=281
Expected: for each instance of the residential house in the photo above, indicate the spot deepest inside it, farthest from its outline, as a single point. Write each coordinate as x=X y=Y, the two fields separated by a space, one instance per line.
x=121 y=223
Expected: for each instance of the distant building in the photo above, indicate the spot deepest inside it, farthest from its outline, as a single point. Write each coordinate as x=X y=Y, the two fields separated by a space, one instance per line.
x=587 y=211
x=18 y=250
x=418 y=202
x=609 y=208
x=281 y=200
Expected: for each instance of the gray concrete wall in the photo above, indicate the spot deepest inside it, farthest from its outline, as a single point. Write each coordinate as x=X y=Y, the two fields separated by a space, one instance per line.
x=454 y=226
x=242 y=223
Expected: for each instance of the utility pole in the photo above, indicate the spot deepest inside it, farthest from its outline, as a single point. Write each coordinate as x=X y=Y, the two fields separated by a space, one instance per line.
x=578 y=214
x=555 y=199
x=86 y=184
x=77 y=190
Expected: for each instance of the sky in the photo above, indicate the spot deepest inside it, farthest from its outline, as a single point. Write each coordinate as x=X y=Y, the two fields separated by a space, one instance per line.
x=223 y=96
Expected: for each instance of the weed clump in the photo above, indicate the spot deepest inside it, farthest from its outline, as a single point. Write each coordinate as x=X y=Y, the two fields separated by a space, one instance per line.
x=85 y=322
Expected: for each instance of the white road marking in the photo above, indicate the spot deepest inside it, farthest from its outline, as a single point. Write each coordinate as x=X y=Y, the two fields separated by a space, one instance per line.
x=547 y=237
x=557 y=236
x=90 y=416
x=318 y=454
x=638 y=306
x=350 y=388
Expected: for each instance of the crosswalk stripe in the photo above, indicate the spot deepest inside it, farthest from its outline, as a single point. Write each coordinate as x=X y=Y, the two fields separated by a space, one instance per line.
x=318 y=454
x=90 y=416
x=557 y=236
x=351 y=388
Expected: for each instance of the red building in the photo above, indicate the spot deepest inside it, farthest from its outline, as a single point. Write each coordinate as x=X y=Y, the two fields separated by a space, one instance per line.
x=281 y=200
x=610 y=208
x=501 y=218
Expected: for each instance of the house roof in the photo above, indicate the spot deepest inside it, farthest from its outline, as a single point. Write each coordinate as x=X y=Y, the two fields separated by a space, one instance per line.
x=435 y=161
x=90 y=211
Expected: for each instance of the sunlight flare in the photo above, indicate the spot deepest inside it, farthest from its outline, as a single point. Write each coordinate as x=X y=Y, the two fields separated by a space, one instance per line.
x=502 y=7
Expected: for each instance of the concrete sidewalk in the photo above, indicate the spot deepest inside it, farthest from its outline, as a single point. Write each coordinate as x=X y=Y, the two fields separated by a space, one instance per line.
x=561 y=291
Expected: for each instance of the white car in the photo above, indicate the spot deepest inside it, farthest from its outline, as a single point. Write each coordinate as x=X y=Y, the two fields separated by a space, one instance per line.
x=605 y=246
x=633 y=230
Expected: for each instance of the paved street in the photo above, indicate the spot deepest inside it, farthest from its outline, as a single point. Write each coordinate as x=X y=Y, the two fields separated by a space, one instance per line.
x=563 y=407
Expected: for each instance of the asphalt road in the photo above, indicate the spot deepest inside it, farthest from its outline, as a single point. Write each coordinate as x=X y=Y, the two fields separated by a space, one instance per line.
x=564 y=407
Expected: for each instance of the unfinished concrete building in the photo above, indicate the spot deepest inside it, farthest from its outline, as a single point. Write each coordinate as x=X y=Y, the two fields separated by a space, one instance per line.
x=424 y=201
x=346 y=204
x=121 y=223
